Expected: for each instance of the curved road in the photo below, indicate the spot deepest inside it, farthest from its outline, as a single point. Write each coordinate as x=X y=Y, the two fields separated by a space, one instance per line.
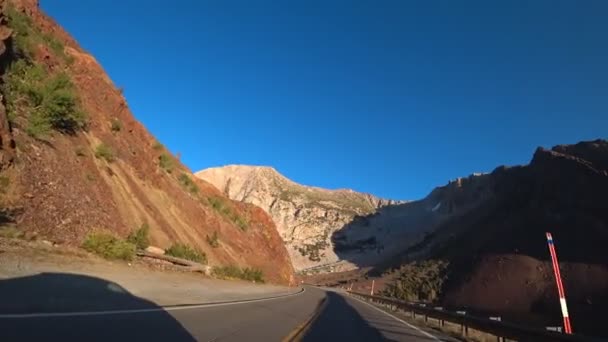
x=338 y=317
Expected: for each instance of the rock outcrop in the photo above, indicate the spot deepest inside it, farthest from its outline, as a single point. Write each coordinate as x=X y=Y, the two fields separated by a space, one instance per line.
x=306 y=217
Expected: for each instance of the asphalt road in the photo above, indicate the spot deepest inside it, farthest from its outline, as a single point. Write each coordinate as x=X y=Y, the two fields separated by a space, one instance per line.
x=339 y=317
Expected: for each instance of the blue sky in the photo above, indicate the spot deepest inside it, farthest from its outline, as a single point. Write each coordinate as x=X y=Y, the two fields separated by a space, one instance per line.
x=387 y=97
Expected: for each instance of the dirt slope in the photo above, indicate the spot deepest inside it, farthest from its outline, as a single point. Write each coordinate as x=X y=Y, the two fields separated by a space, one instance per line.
x=59 y=184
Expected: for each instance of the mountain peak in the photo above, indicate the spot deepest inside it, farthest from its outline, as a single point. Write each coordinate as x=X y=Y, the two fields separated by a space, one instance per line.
x=305 y=216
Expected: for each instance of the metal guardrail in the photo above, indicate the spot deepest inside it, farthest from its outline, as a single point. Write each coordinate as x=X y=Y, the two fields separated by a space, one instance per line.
x=491 y=325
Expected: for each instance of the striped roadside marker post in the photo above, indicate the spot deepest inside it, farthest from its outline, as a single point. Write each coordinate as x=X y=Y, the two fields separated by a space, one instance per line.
x=560 y=286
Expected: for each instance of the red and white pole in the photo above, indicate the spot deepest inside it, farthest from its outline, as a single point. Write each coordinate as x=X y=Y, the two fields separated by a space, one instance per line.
x=560 y=286
x=372 y=292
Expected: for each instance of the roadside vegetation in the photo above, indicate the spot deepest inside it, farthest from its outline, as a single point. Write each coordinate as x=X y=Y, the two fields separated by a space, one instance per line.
x=158 y=146
x=37 y=100
x=109 y=246
x=165 y=162
x=235 y=272
x=188 y=184
x=220 y=205
x=104 y=151
x=46 y=101
x=213 y=240
x=180 y=250
x=419 y=281
x=139 y=237
x=27 y=36
x=116 y=125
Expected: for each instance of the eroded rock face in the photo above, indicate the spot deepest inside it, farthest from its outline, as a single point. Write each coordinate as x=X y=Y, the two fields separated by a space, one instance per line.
x=306 y=217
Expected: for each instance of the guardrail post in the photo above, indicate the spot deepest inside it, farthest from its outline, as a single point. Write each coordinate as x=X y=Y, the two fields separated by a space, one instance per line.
x=464 y=330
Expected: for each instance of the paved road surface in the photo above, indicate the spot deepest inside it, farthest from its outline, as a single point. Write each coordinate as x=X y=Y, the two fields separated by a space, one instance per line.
x=341 y=318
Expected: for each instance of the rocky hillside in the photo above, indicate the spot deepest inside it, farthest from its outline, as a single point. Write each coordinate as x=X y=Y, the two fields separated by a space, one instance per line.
x=73 y=159
x=493 y=257
x=382 y=236
x=306 y=217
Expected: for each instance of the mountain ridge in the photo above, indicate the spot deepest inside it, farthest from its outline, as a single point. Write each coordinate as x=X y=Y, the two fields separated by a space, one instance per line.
x=305 y=216
x=272 y=169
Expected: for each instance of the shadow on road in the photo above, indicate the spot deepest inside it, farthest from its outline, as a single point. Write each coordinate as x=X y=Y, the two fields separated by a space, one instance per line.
x=61 y=292
x=339 y=321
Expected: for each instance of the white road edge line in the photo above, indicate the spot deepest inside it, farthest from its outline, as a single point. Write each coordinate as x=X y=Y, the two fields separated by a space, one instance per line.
x=398 y=319
x=132 y=311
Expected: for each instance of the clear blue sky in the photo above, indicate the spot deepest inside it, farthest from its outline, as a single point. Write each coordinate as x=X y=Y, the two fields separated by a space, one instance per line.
x=387 y=97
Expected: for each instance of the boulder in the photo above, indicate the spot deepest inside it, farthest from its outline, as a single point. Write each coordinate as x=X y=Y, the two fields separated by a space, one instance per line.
x=155 y=250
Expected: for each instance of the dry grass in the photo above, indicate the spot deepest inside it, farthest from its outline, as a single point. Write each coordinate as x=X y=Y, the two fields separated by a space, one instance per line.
x=109 y=246
x=180 y=250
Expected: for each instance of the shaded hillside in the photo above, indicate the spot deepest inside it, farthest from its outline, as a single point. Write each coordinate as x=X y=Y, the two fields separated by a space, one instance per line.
x=497 y=253
x=73 y=159
x=376 y=239
x=306 y=217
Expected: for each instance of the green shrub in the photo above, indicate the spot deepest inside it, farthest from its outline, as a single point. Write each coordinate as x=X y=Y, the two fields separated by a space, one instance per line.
x=220 y=205
x=314 y=250
x=180 y=250
x=27 y=36
x=47 y=101
x=104 y=151
x=140 y=237
x=240 y=222
x=116 y=125
x=55 y=45
x=109 y=246
x=419 y=281
x=166 y=162
x=216 y=203
x=234 y=272
x=213 y=241
x=188 y=183
x=158 y=146
x=253 y=274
